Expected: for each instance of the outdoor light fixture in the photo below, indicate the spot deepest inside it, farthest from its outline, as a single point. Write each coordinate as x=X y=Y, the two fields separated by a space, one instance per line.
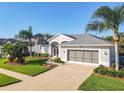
x=105 y=52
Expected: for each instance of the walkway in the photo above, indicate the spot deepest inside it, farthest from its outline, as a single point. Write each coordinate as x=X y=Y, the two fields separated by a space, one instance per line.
x=64 y=77
x=14 y=74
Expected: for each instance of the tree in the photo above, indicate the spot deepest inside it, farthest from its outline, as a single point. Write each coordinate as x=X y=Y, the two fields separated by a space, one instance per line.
x=17 y=50
x=27 y=34
x=20 y=51
x=9 y=50
x=121 y=38
x=106 y=19
x=44 y=36
x=109 y=38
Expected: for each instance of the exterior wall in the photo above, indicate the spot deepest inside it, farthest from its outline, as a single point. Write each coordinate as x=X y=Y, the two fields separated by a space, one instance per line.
x=40 y=48
x=44 y=48
x=59 y=39
x=104 y=54
x=36 y=48
x=0 y=49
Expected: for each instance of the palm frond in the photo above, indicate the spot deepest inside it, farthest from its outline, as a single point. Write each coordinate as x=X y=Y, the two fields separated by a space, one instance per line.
x=103 y=12
x=95 y=26
x=111 y=17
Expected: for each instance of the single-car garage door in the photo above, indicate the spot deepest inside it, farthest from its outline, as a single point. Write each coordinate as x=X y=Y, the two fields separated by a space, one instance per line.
x=87 y=56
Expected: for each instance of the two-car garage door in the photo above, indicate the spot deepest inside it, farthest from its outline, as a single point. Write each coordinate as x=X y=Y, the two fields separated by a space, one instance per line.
x=87 y=56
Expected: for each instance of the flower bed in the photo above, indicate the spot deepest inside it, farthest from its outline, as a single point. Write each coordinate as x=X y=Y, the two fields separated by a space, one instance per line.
x=49 y=65
x=40 y=57
x=14 y=63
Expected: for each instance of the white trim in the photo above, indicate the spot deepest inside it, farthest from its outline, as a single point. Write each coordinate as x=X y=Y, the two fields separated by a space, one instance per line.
x=99 y=56
x=81 y=45
x=53 y=37
x=77 y=62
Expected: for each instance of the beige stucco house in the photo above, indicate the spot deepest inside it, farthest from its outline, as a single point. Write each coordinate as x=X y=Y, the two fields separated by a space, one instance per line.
x=81 y=49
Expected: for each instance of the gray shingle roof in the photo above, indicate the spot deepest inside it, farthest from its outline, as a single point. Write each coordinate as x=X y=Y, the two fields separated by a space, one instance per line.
x=42 y=41
x=4 y=40
x=87 y=40
x=27 y=43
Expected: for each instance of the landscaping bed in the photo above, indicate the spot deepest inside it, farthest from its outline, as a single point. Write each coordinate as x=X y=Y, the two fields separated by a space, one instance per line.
x=104 y=78
x=49 y=65
x=110 y=71
x=13 y=63
x=102 y=83
x=40 y=57
x=32 y=66
x=7 y=80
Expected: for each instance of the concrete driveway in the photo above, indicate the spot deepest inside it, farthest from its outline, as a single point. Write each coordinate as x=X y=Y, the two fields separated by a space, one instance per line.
x=64 y=78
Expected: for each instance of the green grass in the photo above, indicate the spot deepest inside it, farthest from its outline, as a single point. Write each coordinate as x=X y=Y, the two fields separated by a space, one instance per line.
x=32 y=66
x=102 y=83
x=7 y=80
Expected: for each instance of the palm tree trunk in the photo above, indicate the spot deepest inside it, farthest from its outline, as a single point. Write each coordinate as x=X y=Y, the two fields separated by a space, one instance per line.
x=116 y=51
x=30 y=47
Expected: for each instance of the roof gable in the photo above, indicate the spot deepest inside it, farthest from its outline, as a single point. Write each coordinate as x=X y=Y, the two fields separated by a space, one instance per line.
x=70 y=36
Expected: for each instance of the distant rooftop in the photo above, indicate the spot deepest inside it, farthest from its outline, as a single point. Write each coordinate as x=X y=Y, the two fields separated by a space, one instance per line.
x=4 y=40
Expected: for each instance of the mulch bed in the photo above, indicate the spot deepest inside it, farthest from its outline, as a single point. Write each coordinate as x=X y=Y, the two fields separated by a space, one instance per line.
x=14 y=63
x=48 y=65
x=99 y=75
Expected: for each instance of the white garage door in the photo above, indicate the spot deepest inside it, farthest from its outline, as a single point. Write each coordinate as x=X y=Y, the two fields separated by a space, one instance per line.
x=87 y=56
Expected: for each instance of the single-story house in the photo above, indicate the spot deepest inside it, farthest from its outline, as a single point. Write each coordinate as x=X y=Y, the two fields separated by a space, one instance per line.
x=38 y=45
x=5 y=41
x=81 y=48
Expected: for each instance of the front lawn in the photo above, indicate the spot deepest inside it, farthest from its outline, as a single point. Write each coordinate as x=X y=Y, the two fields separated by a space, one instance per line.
x=102 y=83
x=7 y=80
x=32 y=66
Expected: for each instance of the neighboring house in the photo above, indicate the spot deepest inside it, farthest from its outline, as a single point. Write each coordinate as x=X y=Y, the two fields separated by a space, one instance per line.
x=5 y=41
x=81 y=48
x=38 y=45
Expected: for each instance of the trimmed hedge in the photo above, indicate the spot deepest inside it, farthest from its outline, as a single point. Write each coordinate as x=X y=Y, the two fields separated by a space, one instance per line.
x=109 y=72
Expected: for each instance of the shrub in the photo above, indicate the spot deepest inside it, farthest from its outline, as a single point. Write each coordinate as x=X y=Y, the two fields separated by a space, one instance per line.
x=57 y=60
x=113 y=65
x=122 y=69
x=120 y=74
x=109 y=72
x=113 y=73
x=101 y=70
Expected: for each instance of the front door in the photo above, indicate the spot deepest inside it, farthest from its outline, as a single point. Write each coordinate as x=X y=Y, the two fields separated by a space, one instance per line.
x=55 y=51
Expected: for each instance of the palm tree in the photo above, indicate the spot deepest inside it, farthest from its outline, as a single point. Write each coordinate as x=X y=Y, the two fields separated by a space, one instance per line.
x=106 y=18
x=27 y=34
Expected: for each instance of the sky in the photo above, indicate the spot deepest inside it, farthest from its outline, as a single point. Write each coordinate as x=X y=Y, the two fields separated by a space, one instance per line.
x=48 y=17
